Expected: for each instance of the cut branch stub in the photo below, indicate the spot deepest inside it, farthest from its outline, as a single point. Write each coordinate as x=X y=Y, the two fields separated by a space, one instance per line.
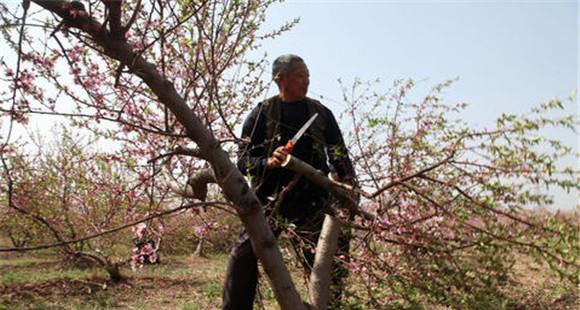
x=199 y=181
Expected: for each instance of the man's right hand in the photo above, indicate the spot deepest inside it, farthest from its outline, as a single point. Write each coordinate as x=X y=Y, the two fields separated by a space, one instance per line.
x=277 y=158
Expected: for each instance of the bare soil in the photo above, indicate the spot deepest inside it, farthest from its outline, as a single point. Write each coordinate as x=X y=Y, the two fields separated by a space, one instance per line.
x=190 y=283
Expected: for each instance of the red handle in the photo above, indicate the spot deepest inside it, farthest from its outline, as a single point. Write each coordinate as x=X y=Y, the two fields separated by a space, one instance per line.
x=289 y=146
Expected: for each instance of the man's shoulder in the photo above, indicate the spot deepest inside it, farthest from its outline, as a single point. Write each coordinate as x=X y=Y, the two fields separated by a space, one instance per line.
x=265 y=103
x=318 y=105
x=312 y=100
x=269 y=100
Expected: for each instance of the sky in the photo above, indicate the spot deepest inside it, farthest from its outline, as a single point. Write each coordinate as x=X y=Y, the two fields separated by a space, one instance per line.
x=508 y=55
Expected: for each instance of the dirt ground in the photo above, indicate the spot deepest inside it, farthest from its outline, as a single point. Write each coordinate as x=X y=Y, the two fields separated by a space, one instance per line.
x=179 y=283
x=187 y=283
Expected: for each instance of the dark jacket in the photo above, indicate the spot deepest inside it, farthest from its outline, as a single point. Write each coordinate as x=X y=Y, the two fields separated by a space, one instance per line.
x=270 y=125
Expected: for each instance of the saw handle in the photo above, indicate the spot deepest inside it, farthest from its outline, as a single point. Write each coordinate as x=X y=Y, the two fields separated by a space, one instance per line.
x=289 y=146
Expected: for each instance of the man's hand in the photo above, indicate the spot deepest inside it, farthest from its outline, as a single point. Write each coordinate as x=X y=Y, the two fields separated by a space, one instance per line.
x=277 y=158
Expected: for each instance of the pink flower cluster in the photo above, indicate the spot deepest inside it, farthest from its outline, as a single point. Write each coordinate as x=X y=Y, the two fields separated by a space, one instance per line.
x=75 y=53
x=46 y=63
x=145 y=254
x=26 y=80
x=140 y=230
x=93 y=78
x=5 y=149
x=145 y=251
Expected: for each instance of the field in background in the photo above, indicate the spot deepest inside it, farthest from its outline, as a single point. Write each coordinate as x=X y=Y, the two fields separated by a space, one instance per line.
x=180 y=282
x=39 y=281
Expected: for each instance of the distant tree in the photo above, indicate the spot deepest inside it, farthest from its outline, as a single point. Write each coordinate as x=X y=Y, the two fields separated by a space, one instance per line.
x=65 y=190
x=455 y=205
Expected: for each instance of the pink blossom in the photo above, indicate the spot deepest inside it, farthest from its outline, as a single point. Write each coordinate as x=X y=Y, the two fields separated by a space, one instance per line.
x=147 y=249
x=143 y=175
x=19 y=117
x=160 y=228
x=76 y=71
x=140 y=230
x=153 y=257
x=133 y=262
x=201 y=230
x=26 y=80
x=4 y=149
x=74 y=54
x=79 y=13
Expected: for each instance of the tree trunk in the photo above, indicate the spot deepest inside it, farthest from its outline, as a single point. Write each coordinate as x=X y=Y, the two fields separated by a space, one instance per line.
x=199 y=249
x=321 y=275
x=114 y=273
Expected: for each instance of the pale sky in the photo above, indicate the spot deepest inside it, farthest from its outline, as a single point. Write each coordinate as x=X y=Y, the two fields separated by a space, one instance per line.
x=508 y=55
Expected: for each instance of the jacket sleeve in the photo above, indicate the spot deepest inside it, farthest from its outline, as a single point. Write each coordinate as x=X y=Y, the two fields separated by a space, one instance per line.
x=337 y=151
x=252 y=151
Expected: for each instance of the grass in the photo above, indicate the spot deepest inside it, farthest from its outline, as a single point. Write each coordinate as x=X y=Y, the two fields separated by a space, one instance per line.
x=21 y=262
x=26 y=277
x=193 y=283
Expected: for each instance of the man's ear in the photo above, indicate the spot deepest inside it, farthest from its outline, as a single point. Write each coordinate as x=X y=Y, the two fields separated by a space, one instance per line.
x=277 y=79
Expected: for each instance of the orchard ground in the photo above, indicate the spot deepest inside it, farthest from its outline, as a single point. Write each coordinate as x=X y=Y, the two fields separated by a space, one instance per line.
x=41 y=281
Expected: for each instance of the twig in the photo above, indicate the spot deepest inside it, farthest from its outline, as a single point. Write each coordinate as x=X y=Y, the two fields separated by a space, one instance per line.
x=180 y=150
x=132 y=20
x=411 y=176
x=66 y=242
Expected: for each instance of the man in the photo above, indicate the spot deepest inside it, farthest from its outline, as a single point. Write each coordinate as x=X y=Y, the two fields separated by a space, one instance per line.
x=286 y=196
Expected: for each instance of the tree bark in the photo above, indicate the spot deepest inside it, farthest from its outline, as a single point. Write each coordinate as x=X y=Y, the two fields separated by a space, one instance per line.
x=321 y=275
x=344 y=196
x=199 y=248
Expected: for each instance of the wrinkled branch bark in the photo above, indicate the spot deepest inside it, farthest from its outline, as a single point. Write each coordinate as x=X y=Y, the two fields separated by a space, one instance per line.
x=321 y=275
x=344 y=196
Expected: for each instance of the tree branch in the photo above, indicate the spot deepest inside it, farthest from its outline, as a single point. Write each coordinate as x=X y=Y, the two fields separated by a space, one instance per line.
x=321 y=275
x=317 y=177
x=411 y=176
x=133 y=18
x=114 y=18
x=89 y=237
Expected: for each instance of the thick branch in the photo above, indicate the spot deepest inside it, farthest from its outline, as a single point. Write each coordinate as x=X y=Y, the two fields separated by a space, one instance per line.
x=319 y=288
x=199 y=181
x=318 y=178
x=114 y=17
x=196 y=186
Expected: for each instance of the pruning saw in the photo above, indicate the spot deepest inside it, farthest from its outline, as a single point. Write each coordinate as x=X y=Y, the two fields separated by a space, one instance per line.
x=290 y=144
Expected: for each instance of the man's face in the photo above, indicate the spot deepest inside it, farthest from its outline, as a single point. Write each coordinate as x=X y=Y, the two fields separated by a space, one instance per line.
x=294 y=84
